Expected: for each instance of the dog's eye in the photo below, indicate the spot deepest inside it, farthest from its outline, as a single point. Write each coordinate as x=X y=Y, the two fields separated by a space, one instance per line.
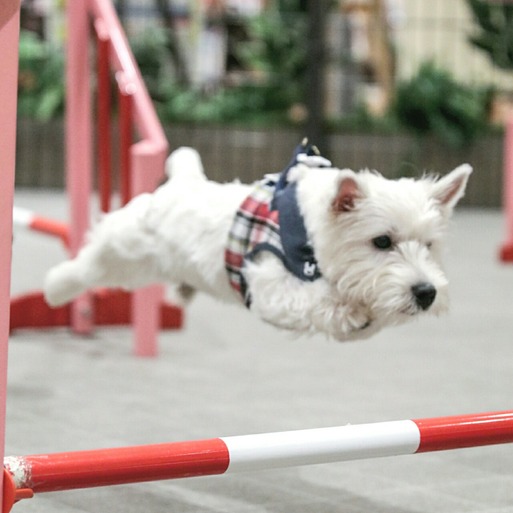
x=429 y=245
x=382 y=242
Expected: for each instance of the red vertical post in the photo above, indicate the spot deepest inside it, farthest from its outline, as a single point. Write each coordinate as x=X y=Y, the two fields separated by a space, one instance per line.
x=507 y=248
x=78 y=144
x=125 y=138
x=146 y=301
x=9 y=34
x=104 y=139
x=141 y=164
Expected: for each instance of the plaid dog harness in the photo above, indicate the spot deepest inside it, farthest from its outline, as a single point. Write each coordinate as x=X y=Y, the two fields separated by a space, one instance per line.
x=269 y=220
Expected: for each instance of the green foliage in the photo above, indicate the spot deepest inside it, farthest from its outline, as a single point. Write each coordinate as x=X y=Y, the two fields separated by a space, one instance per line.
x=432 y=102
x=495 y=37
x=361 y=121
x=275 y=60
x=277 y=49
x=274 y=57
x=149 y=51
x=243 y=103
x=276 y=54
x=41 y=78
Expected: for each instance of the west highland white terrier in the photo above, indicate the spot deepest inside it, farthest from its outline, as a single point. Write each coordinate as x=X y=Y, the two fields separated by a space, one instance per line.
x=313 y=249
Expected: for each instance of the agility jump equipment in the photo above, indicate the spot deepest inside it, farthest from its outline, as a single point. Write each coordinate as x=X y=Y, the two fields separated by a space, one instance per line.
x=24 y=218
x=9 y=36
x=26 y=475
x=142 y=152
x=110 y=307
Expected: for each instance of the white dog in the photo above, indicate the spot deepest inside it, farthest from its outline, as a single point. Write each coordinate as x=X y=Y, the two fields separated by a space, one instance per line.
x=313 y=249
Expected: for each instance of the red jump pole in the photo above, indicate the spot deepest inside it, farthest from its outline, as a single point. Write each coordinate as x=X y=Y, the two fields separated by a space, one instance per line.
x=24 y=476
x=141 y=162
x=105 y=467
x=29 y=220
x=125 y=92
x=78 y=143
x=9 y=35
x=104 y=139
x=506 y=253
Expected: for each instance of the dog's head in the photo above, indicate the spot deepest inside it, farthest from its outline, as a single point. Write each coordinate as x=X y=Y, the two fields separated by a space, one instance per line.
x=378 y=241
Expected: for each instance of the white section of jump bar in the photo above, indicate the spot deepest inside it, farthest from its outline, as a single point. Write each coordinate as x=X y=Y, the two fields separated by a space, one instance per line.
x=22 y=217
x=324 y=445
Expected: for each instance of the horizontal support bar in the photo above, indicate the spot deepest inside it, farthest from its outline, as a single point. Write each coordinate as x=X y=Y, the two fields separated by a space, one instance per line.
x=27 y=219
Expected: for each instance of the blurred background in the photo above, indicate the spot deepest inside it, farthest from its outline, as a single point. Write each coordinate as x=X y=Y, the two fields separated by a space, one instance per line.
x=401 y=86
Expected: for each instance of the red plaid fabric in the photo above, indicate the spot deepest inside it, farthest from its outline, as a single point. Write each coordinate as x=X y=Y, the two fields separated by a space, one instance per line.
x=253 y=224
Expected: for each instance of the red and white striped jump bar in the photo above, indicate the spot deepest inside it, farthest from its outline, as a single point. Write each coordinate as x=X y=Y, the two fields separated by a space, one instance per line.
x=27 y=219
x=26 y=475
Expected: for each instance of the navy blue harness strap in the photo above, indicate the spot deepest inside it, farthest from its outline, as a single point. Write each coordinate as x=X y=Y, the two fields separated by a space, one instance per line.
x=269 y=219
x=298 y=254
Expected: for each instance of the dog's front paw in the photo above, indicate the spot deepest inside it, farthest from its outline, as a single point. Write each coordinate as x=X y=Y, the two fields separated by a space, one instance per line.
x=358 y=318
x=353 y=324
x=341 y=321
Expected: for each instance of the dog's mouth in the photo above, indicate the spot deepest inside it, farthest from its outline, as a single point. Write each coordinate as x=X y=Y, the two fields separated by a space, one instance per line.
x=398 y=305
x=411 y=311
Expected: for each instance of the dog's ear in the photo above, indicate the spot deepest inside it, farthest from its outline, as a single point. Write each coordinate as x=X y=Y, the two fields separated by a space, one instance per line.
x=348 y=193
x=451 y=188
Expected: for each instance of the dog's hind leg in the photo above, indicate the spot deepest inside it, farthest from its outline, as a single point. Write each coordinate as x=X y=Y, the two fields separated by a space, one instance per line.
x=101 y=263
x=95 y=264
x=63 y=283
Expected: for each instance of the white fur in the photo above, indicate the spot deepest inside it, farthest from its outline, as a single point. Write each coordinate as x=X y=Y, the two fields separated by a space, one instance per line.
x=178 y=235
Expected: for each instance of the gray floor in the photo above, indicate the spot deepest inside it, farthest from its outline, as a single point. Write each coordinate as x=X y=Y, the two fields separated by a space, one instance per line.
x=228 y=374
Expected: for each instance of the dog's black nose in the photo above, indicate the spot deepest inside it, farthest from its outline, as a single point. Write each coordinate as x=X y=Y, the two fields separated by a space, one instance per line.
x=424 y=294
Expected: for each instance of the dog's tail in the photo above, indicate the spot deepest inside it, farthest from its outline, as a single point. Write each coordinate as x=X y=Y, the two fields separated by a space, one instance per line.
x=185 y=162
